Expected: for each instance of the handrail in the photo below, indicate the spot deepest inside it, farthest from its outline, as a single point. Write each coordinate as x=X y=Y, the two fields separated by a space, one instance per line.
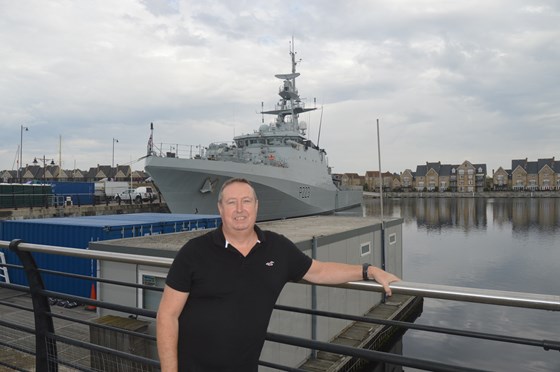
x=92 y=254
x=477 y=295
x=44 y=317
x=445 y=292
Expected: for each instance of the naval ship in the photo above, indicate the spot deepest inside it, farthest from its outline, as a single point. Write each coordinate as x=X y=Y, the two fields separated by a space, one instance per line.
x=290 y=174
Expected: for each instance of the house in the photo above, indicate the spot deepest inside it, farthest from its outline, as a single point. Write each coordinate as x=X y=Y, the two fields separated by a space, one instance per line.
x=420 y=178
x=396 y=182
x=371 y=180
x=466 y=177
x=543 y=174
x=519 y=174
x=407 y=180
x=501 y=179
x=432 y=175
x=352 y=179
x=546 y=174
x=54 y=173
x=470 y=178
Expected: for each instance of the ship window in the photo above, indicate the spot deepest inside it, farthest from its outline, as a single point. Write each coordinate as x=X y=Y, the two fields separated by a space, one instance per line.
x=365 y=248
x=392 y=239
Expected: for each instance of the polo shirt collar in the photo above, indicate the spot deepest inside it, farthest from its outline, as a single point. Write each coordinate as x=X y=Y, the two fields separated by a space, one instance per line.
x=220 y=239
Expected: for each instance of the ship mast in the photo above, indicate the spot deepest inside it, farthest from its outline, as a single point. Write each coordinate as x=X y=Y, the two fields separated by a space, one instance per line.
x=289 y=93
x=294 y=63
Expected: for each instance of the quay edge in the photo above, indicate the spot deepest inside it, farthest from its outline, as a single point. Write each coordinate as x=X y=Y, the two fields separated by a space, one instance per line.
x=84 y=210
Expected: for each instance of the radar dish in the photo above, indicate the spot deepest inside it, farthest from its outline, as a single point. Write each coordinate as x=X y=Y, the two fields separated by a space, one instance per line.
x=287 y=76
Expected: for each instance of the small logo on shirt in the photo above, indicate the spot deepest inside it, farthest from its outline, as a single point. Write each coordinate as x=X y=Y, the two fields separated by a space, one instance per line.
x=269 y=263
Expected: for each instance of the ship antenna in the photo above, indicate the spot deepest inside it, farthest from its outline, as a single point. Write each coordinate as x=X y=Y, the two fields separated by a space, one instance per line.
x=293 y=54
x=262 y=112
x=320 y=124
x=294 y=63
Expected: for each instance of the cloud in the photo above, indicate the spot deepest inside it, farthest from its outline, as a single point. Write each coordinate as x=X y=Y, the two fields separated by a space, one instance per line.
x=449 y=81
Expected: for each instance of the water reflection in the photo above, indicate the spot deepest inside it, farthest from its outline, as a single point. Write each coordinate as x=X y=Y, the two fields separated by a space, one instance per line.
x=504 y=244
x=472 y=213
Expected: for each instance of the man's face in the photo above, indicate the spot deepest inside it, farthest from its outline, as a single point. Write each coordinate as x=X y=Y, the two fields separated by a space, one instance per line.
x=238 y=207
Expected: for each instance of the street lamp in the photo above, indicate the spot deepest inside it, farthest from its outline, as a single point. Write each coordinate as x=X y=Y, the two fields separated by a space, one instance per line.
x=44 y=178
x=20 y=151
x=44 y=166
x=113 y=161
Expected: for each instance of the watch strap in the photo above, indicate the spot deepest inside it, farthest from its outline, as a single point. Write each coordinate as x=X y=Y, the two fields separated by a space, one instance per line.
x=365 y=271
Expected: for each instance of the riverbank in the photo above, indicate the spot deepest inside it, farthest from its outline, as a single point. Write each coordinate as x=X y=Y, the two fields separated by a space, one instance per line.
x=484 y=194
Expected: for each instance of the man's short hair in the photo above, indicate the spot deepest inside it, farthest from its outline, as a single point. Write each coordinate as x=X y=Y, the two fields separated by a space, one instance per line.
x=234 y=180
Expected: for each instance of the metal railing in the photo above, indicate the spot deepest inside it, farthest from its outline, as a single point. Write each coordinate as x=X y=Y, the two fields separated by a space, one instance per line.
x=56 y=347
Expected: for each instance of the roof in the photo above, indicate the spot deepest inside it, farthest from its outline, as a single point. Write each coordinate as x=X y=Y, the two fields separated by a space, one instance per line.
x=480 y=168
x=421 y=170
x=434 y=166
x=541 y=163
x=532 y=167
x=518 y=163
x=299 y=230
x=445 y=170
x=119 y=219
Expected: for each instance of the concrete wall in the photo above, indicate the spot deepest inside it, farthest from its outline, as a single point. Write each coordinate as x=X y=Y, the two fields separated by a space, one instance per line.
x=347 y=249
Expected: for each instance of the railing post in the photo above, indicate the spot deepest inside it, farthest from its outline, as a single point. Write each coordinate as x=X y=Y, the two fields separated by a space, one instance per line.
x=46 y=353
x=314 y=300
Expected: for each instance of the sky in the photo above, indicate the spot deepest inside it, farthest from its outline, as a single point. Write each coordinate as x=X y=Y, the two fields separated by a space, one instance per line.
x=448 y=81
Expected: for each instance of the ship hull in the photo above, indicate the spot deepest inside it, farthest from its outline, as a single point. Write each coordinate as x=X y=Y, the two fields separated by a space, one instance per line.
x=192 y=186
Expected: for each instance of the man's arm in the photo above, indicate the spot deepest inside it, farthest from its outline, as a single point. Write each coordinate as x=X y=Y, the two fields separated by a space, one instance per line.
x=338 y=273
x=170 y=307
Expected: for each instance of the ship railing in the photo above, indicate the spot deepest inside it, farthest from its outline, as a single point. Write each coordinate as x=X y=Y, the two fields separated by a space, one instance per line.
x=40 y=336
x=176 y=150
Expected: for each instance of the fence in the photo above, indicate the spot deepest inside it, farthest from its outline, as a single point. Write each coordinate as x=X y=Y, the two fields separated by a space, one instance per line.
x=60 y=338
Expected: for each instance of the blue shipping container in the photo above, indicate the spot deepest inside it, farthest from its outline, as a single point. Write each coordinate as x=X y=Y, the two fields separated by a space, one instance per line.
x=82 y=193
x=77 y=232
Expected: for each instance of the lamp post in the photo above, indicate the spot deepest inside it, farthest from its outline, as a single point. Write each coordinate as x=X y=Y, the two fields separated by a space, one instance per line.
x=44 y=166
x=20 y=151
x=113 y=161
x=45 y=201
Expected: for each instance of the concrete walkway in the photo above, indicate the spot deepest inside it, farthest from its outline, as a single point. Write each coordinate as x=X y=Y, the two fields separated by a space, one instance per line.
x=16 y=345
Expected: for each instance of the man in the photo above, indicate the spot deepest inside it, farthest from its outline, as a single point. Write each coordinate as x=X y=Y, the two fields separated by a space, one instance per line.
x=222 y=286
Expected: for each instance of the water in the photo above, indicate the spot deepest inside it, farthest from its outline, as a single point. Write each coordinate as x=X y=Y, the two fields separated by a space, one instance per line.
x=504 y=244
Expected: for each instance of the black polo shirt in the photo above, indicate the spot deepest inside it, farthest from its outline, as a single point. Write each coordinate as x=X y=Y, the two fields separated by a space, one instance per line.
x=231 y=297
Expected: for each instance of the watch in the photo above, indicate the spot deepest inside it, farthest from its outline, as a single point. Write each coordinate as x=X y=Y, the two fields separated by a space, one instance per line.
x=364 y=271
